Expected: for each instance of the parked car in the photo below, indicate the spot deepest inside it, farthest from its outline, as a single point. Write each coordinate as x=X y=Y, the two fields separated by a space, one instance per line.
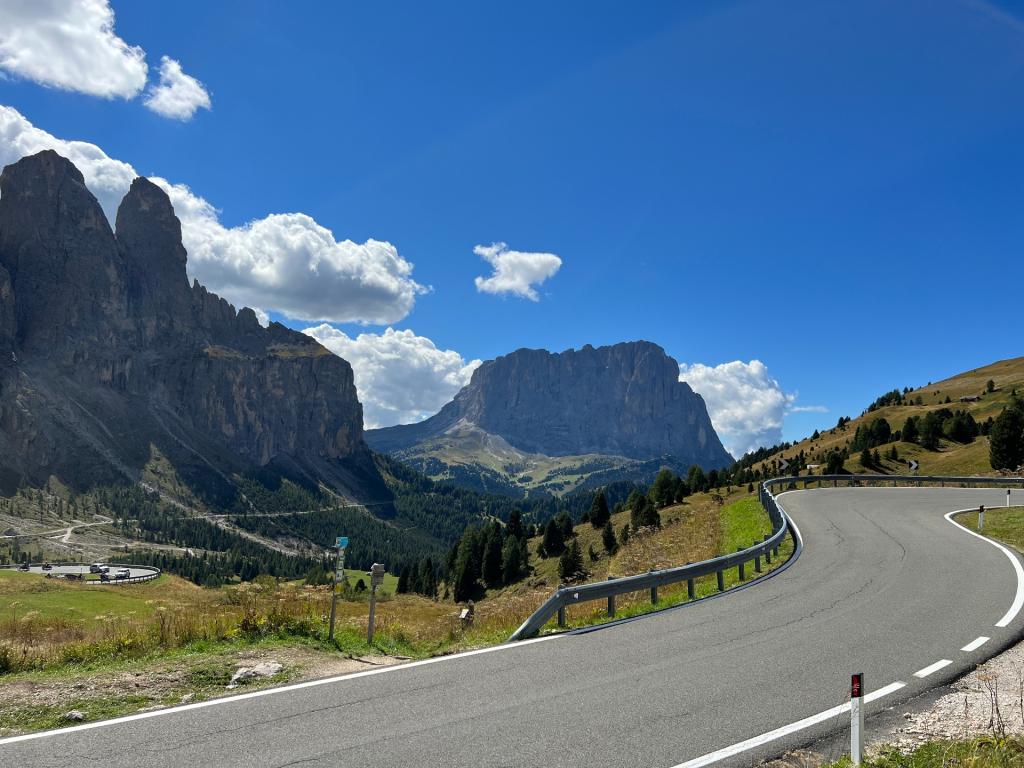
x=23 y=567
x=104 y=576
x=122 y=573
x=47 y=567
x=97 y=568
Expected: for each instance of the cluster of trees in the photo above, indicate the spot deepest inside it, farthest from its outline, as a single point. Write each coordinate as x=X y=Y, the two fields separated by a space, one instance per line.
x=927 y=430
x=421 y=579
x=1006 y=437
x=889 y=398
x=492 y=555
x=212 y=569
x=877 y=432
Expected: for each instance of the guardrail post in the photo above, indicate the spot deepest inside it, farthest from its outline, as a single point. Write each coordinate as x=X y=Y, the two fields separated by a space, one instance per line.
x=721 y=581
x=561 y=610
x=757 y=561
x=690 y=590
x=654 y=595
x=611 y=602
x=742 y=567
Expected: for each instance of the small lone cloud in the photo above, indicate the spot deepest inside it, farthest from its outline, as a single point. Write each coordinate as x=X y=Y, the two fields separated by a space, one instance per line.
x=178 y=95
x=515 y=272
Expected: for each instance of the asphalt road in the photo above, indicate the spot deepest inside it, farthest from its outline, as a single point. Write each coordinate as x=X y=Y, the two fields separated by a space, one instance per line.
x=885 y=586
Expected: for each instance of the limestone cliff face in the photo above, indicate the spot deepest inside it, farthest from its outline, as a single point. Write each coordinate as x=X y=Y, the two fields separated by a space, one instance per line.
x=624 y=400
x=107 y=352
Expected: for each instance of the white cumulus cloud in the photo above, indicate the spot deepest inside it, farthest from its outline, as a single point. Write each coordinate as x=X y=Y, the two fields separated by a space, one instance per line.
x=747 y=406
x=286 y=263
x=69 y=44
x=515 y=272
x=401 y=377
x=178 y=95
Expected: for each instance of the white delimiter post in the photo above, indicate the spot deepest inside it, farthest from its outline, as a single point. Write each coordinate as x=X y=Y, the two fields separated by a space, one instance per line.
x=981 y=517
x=1007 y=497
x=857 y=719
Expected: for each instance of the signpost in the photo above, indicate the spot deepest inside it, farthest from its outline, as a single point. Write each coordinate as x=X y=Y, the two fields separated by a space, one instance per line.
x=376 y=574
x=857 y=719
x=913 y=465
x=783 y=465
x=339 y=573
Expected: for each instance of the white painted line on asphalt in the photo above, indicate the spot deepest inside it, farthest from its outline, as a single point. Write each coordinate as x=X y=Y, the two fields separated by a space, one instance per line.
x=933 y=668
x=975 y=644
x=272 y=691
x=1018 y=600
x=778 y=733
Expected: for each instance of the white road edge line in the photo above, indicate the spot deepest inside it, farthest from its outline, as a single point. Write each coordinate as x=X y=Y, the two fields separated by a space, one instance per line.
x=933 y=668
x=975 y=644
x=1018 y=600
x=272 y=691
x=778 y=733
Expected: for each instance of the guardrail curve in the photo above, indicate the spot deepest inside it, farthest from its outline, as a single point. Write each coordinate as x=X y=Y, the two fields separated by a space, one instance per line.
x=781 y=525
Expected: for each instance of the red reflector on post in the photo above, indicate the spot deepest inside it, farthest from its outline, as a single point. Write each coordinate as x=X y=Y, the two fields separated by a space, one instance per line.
x=856 y=689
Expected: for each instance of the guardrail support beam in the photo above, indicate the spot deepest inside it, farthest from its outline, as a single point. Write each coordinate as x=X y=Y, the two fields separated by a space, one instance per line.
x=690 y=591
x=721 y=580
x=561 y=617
x=654 y=595
x=742 y=567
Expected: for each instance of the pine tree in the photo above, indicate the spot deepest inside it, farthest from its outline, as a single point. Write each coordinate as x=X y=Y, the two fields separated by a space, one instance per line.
x=611 y=545
x=553 y=542
x=515 y=524
x=492 y=560
x=403 y=580
x=865 y=458
x=663 y=489
x=599 y=513
x=511 y=562
x=834 y=463
x=644 y=515
x=624 y=534
x=931 y=431
x=570 y=564
x=910 y=433
x=1006 y=440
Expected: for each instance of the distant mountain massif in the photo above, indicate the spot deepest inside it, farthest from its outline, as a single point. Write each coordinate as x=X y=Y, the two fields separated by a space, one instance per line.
x=535 y=421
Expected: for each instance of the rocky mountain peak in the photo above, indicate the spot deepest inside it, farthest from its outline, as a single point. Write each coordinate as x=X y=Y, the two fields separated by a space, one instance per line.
x=109 y=355
x=624 y=400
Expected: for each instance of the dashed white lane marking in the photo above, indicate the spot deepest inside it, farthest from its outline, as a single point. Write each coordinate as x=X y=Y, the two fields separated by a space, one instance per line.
x=778 y=733
x=975 y=644
x=1018 y=600
x=933 y=668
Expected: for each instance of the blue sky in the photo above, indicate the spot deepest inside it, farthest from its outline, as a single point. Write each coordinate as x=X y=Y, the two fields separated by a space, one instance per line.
x=831 y=188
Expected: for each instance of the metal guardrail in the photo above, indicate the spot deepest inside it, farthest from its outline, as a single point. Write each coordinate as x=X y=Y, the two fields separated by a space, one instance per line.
x=154 y=572
x=573 y=595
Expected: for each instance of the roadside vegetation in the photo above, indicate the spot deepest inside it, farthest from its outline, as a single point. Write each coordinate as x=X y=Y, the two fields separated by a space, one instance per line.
x=983 y=752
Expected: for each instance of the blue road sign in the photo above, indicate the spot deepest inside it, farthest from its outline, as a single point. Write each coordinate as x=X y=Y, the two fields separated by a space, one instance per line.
x=342 y=542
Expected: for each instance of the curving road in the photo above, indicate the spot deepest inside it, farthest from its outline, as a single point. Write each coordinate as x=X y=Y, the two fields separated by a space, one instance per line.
x=885 y=586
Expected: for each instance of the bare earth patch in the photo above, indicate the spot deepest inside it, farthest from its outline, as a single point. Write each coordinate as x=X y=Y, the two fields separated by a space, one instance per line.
x=33 y=701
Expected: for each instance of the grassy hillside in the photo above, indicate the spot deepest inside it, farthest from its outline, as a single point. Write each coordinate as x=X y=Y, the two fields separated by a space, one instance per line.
x=951 y=457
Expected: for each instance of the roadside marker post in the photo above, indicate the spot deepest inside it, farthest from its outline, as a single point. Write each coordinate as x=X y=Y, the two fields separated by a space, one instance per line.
x=981 y=517
x=857 y=719
x=342 y=544
x=1007 y=497
x=376 y=575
